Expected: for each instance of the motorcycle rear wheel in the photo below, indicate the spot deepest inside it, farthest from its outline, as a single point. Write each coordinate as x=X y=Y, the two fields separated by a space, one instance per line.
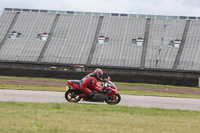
x=72 y=95
x=115 y=100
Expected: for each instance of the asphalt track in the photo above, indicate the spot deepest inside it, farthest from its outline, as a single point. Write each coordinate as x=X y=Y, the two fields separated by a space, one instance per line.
x=127 y=100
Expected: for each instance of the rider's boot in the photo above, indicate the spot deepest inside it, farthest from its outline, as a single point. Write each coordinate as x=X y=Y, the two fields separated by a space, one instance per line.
x=90 y=95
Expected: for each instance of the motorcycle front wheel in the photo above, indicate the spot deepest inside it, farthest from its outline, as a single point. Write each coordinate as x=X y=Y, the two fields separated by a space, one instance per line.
x=72 y=95
x=113 y=101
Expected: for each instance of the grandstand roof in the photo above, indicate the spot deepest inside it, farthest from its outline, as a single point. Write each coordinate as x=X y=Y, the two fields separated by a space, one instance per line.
x=102 y=13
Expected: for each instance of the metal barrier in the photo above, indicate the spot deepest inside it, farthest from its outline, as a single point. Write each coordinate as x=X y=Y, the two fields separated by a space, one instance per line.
x=119 y=77
x=199 y=82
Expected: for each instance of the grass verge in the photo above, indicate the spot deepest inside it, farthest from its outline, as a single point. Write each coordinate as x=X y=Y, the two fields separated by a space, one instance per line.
x=155 y=85
x=36 y=88
x=121 y=83
x=48 y=79
x=67 y=117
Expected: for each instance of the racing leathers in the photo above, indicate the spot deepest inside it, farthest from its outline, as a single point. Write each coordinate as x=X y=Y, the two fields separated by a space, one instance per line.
x=89 y=82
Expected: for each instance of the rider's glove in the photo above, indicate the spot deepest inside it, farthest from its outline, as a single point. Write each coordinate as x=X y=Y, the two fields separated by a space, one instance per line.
x=104 y=80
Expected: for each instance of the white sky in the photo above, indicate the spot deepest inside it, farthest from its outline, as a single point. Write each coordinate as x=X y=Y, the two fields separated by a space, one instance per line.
x=151 y=7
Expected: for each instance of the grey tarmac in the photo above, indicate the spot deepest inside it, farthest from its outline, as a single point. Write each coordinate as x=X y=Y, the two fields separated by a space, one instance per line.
x=126 y=100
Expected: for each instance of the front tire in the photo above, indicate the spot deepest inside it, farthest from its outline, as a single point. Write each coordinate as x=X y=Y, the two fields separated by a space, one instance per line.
x=115 y=100
x=72 y=95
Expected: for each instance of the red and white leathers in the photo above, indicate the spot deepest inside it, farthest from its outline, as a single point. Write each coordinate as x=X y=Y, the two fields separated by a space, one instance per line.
x=89 y=83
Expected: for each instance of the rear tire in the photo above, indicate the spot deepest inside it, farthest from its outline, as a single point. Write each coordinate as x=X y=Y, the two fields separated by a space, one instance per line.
x=115 y=100
x=72 y=95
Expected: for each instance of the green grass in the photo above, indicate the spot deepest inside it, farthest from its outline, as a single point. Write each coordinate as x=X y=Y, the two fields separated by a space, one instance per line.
x=36 y=88
x=155 y=85
x=121 y=83
x=67 y=117
x=48 y=79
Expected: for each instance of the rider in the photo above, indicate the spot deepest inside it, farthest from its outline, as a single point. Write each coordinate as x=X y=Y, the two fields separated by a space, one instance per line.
x=90 y=81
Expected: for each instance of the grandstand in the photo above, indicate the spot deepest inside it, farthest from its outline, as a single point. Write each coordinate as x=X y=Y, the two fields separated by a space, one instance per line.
x=109 y=40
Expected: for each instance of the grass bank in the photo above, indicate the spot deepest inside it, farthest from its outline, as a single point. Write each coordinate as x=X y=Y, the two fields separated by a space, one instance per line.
x=67 y=117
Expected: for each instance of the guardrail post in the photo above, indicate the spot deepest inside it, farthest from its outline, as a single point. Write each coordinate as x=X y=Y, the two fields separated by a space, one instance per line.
x=199 y=82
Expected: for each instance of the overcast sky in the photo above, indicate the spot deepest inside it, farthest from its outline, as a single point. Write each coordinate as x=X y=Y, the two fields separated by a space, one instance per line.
x=151 y=7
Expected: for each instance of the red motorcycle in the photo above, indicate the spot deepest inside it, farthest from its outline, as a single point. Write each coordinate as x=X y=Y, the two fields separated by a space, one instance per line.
x=74 y=93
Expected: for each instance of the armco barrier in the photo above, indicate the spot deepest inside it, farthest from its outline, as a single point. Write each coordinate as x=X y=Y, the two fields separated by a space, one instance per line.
x=132 y=78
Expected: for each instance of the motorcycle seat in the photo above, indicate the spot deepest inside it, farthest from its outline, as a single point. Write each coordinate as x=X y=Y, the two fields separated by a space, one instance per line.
x=75 y=81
